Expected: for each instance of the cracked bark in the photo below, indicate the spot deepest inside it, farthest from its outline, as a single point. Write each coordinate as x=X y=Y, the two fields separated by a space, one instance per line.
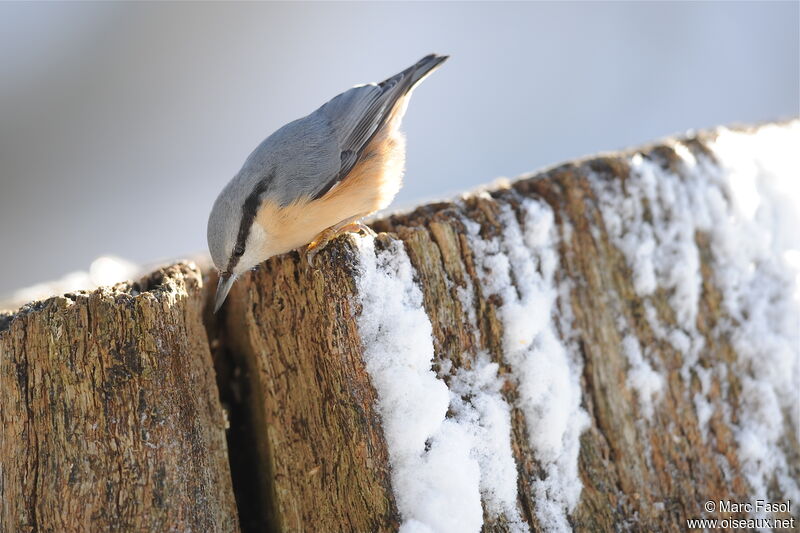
x=307 y=448
x=110 y=415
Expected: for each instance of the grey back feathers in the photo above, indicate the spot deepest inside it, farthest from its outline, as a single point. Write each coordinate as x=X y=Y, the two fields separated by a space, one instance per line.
x=307 y=157
x=358 y=114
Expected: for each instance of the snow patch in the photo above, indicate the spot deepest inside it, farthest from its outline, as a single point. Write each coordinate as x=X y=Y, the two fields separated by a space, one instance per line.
x=746 y=201
x=520 y=267
x=647 y=383
x=444 y=464
x=440 y=465
x=104 y=271
x=479 y=407
x=759 y=282
x=652 y=218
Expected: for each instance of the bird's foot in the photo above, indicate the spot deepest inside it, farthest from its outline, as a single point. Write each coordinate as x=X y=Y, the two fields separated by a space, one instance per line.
x=321 y=241
x=318 y=244
x=356 y=227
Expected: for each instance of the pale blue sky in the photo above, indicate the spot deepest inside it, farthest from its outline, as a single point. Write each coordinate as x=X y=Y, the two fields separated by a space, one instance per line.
x=119 y=123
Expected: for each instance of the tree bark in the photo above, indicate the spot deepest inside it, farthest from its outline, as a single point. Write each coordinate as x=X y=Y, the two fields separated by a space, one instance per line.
x=111 y=416
x=323 y=458
x=323 y=462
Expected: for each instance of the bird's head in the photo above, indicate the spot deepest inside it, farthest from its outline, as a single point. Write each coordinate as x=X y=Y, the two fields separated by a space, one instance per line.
x=235 y=241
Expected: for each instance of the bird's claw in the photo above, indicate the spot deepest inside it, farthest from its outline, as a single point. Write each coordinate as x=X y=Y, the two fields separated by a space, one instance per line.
x=322 y=240
x=357 y=227
x=311 y=253
x=317 y=245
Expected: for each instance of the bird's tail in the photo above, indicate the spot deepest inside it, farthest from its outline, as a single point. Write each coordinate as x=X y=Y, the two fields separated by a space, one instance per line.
x=424 y=67
x=413 y=75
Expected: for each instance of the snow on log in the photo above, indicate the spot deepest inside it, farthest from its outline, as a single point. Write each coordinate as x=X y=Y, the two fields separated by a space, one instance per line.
x=608 y=344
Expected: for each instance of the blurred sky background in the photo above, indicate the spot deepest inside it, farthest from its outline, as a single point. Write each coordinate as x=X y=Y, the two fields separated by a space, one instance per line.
x=120 y=122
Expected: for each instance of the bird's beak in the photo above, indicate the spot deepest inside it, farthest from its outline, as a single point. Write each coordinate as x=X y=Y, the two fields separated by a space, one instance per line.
x=223 y=288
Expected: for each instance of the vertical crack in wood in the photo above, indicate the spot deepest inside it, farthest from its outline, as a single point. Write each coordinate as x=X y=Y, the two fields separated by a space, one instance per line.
x=255 y=506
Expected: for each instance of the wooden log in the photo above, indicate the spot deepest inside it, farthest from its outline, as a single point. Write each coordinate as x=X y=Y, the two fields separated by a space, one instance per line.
x=310 y=397
x=110 y=413
x=654 y=427
x=610 y=344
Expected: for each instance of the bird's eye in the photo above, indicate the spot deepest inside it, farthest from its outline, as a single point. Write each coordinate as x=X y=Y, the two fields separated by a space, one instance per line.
x=238 y=250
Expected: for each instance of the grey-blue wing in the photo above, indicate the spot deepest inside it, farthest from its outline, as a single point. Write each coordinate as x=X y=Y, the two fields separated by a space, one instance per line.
x=356 y=115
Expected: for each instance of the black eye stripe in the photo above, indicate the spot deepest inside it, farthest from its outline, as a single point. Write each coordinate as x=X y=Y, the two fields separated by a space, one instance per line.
x=238 y=250
x=249 y=209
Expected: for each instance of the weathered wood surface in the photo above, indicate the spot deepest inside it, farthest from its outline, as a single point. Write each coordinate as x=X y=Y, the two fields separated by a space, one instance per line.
x=291 y=329
x=322 y=457
x=110 y=413
x=111 y=416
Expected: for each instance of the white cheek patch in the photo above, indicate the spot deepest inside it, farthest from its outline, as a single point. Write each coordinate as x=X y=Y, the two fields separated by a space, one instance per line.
x=255 y=250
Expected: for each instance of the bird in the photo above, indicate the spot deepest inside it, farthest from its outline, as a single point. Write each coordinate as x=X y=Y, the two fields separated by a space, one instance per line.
x=315 y=178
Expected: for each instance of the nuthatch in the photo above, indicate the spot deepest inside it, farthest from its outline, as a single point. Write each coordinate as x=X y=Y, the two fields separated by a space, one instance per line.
x=315 y=178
